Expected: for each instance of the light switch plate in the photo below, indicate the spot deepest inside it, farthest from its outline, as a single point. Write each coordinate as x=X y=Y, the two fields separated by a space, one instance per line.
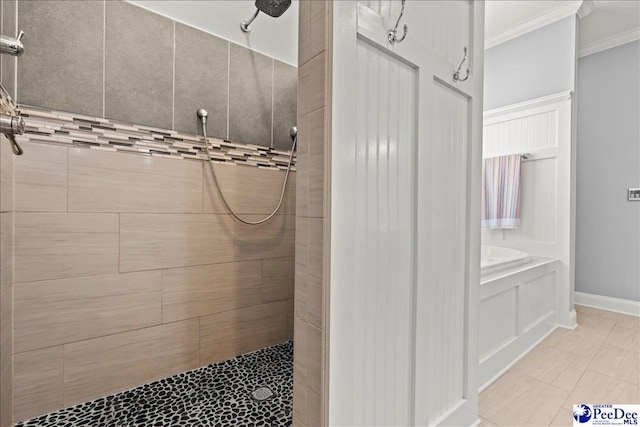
x=633 y=194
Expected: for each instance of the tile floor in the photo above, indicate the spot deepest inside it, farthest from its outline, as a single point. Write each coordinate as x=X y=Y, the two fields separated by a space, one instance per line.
x=598 y=362
x=218 y=395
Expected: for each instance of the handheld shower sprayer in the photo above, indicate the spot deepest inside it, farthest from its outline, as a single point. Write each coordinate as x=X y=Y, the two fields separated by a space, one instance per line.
x=202 y=115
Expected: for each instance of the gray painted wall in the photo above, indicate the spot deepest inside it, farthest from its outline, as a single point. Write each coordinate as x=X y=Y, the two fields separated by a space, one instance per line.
x=535 y=64
x=608 y=159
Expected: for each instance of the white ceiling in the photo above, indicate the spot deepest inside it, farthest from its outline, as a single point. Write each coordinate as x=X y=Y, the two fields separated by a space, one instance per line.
x=609 y=23
x=276 y=37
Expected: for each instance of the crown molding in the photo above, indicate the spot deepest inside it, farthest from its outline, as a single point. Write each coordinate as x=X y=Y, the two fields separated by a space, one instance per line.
x=587 y=7
x=539 y=21
x=609 y=42
x=531 y=103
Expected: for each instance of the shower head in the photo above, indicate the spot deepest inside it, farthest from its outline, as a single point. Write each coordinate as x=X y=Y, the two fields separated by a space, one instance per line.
x=273 y=8
x=202 y=114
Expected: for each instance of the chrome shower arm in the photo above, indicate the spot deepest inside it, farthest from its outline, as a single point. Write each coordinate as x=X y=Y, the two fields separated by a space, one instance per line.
x=244 y=25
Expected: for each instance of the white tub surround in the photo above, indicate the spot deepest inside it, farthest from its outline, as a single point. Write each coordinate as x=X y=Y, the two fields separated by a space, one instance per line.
x=519 y=306
x=496 y=258
x=541 y=128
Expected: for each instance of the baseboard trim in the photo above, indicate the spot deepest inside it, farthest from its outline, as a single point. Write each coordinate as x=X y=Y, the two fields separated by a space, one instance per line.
x=618 y=305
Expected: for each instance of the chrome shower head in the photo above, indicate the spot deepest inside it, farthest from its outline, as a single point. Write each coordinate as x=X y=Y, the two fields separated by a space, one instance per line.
x=273 y=8
x=202 y=114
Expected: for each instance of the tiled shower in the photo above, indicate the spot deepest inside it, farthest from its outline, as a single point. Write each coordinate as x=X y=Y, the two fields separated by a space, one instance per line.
x=127 y=268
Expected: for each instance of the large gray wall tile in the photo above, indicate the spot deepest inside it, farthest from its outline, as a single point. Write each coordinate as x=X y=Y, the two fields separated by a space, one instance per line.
x=202 y=81
x=250 y=90
x=62 y=65
x=285 y=97
x=8 y=63
x=138 y=65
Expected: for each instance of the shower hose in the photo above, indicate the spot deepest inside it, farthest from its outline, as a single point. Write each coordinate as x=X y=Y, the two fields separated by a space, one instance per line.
x=217 y=184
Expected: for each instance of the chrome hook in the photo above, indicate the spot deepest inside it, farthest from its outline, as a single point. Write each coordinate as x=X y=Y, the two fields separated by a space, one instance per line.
x=456 y=74
x=392 y=34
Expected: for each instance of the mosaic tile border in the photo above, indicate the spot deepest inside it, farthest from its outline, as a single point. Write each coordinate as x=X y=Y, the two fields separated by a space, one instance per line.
x=217 y=395
x=76 y=130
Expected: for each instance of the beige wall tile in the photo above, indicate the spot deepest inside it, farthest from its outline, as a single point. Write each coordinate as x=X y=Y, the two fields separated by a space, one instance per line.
x=313 y=409
x=224 y=335
x=41 y=179
x=37 y=382
x=304 y=86
x=6 y=395
x=318 y=89
x=278 y=279
x=6 y=328
x=57 y=245
x=318 y=25
x=302 y=261
x=154 y=241
x=300 y=368
x=248 y=190
x=7 y=160
x=6 y=250
x=203 y=290
x=61 y=311
x=317 y=163
x=518 y=400
x=595 y=387
x=314 y=359
x=105 y=365
x=302 y=170
x=618 y=363
x=304 y=31
x=315 y=281
x=102 y=181
x=273 y=239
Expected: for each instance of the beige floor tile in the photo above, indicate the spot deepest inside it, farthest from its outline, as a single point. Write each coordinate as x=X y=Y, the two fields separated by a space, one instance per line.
x=486 y=423
x=553 y=366
x=618 y=363
x=621 y=319
x=578 y=341
x=597 y=388
x=564 y=418
x=595 y=324
x=518 y=400
x=627 y=321
x=623 y=337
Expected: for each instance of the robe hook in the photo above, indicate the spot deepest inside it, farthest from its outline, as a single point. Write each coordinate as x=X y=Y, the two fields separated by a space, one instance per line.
x=456 y=74
x=392 y=34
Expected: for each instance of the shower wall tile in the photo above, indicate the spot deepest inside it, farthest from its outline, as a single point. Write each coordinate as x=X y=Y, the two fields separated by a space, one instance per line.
x=137 y=357
x=316 y=268
x=301 y=267
x=248 y=190
x=304 y=31
x=6 y=329
x=318 y=129
x=7 y=174
x=138 y=65
x=62 y=67
x=318 y=89
x=54 y=312
x=41 y=179
x=6 y=395
x=278 y=279
x=201 y=79
x=285 y=94
x=319 y=28
x=6 y=250
x=203 y=290
x=314 y=359
x=304 y=82
x=37 y=382
x=155 y=241
x=273 y=239
x=8 y=63
x=60 y=245
x=118 y=182
x=224 y=335
x=250 y=96
x=302 y=167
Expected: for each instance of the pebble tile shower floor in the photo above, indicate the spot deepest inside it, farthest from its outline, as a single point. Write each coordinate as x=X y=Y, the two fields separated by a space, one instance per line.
x=215 y=395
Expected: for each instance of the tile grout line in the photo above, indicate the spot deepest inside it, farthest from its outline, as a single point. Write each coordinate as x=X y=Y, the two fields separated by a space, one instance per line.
x=273 y=84
x=228 y=86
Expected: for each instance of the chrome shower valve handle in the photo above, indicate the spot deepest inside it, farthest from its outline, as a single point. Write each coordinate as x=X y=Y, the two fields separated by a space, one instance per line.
x=11 y=126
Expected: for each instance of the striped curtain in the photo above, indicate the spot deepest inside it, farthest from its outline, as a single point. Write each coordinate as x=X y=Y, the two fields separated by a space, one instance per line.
x=501 y=188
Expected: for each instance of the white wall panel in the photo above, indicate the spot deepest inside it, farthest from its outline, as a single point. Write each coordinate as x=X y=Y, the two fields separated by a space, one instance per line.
x=446 y=266
x=384 y=207
x=498 y=322
x=537 y=300
x=520 y=135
